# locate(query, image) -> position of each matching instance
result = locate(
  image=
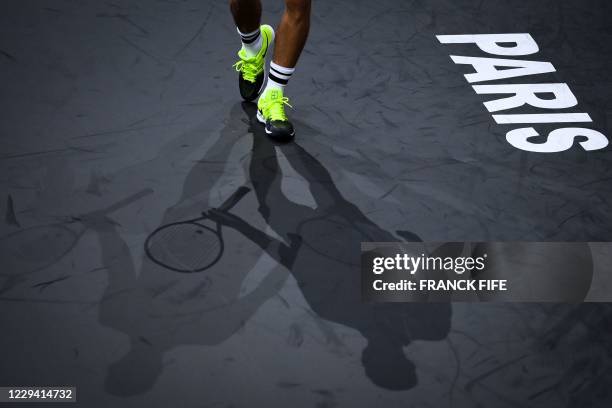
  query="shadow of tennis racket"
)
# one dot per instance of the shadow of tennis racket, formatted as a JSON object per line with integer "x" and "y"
{"x": 33, "y": 249}
{"x": 190, "y": 246}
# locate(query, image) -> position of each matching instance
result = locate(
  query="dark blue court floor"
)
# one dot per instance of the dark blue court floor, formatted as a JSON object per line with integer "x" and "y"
{"x": 120, "y": 116}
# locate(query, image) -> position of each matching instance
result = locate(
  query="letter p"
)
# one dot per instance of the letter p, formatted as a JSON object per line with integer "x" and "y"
{"x": 518, "y": 44}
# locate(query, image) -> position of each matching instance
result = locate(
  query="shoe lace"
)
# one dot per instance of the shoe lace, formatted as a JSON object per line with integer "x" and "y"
{"x": 248, "y": 68}
{"x": 276, "y": 108}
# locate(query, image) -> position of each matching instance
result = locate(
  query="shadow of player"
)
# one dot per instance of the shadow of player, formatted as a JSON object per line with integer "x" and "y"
{"x": 159, "y": 309}
{"x": 327, "y": 263}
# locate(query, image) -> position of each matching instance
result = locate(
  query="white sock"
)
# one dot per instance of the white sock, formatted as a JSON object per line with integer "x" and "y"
{"x": 251, "y": 42}
{"x": 278, "y": 77}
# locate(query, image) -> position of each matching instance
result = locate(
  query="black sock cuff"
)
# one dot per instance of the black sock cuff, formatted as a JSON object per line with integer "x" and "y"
{"x": 250, "y": 38}
{"x": 277, "y": 79}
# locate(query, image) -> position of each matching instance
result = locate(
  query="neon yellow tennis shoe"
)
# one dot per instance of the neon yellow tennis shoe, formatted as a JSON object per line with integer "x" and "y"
{"x": 271, "y": 112}
{"x": 251, "y": 71}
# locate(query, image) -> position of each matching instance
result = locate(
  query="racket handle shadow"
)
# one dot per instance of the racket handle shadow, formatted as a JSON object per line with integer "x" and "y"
{"x": 234, "y": 198}
{"x": 278, "y": 250}
{"x": 121, "y": 204}
{"x": 229, "y": 203}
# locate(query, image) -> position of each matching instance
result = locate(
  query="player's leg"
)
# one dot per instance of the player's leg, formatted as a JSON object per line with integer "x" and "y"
{"x": 247, "y": 15}
{"x": 292, "y": 32}
{"x": 256, "y": 41}
{"x": 290, "y": 39}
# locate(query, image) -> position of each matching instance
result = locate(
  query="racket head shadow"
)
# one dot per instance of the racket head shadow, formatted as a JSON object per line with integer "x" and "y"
{"x": 186, "y": 247}
{"x": 36, "y": 248}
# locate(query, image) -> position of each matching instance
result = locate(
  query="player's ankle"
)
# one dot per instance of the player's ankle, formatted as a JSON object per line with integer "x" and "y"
{"x": 278, "y": 77}
{"x": 251, "y": 42}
